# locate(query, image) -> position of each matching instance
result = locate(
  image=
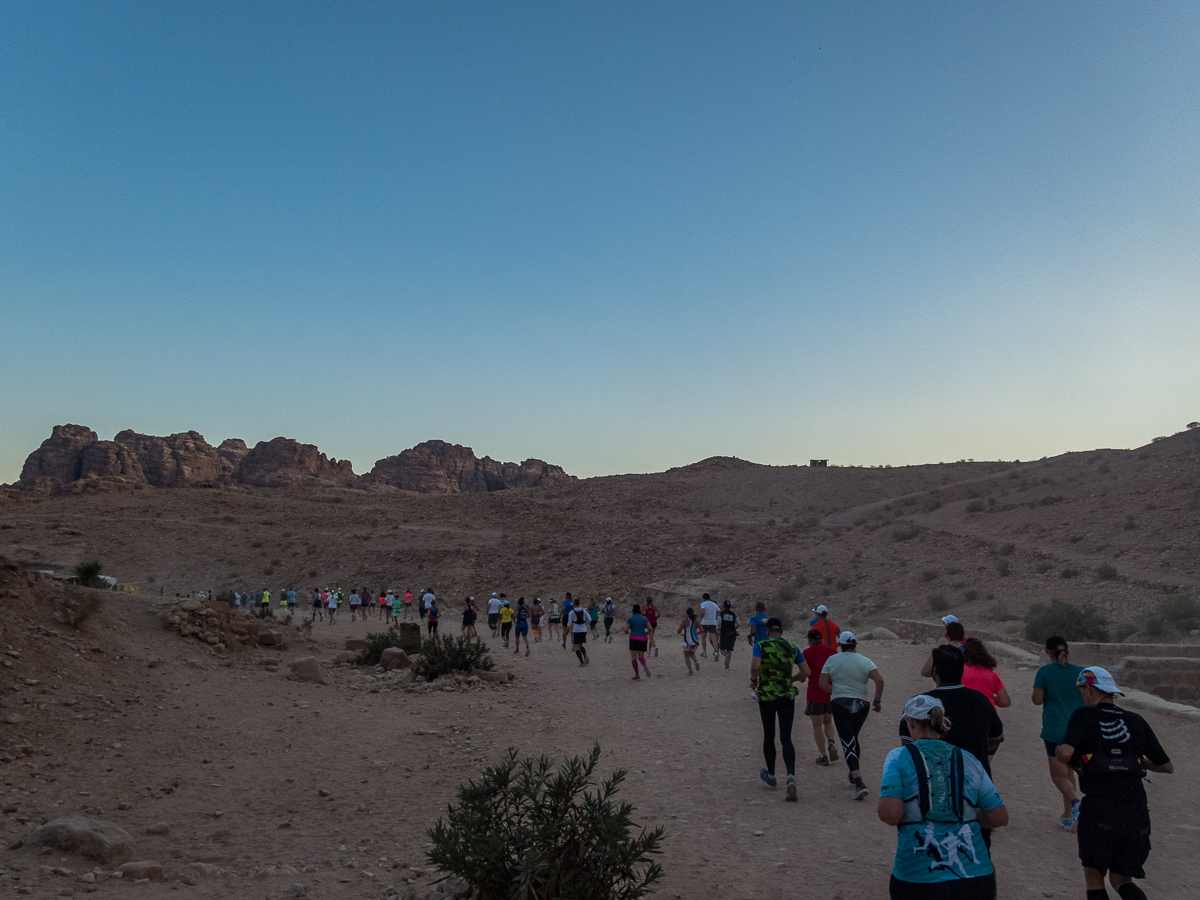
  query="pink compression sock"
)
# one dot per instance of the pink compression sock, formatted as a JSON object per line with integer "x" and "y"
{"x": 635, "y": 671}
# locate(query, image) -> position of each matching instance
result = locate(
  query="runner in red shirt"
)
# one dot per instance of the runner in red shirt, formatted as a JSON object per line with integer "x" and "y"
{"x": 651, "y": 615}
{"x": 819, "y": 706}
{"x": 828, "y": 628}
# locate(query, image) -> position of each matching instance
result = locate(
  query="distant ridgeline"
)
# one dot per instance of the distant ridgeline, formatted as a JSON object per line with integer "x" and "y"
{"x": 73, "y": 459}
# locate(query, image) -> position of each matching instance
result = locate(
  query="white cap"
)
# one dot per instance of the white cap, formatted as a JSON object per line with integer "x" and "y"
{"x": 493, "y": 593}
{"x": 1099, "y": 678}
{"x": 847, "y": 637}
{"x": 821, "y": 609}
{"x": 920, "y": 706}
{"x": 946, "y": 620}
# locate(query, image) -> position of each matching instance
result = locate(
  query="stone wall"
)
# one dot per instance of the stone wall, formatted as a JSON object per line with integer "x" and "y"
{"x": 1175, "y": 678}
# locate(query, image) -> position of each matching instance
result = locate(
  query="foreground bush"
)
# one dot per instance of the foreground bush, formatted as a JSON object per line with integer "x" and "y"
{"x": 441, "y": 655}
{"x": 379, "y": 641}
{"x": 87, "y": 574}
{"x": 525, "y": 832}
{"x": 1063, "y": 619}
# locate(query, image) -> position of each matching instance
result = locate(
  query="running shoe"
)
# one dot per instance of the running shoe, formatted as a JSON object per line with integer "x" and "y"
{"x": 526, "y": 651}
{"x": 767, "y": 777}
{"x": 636, "y": 678}
{"x": 649, "y": 673}
{"x": 656, "y": 651}
{"x": 705, "y": 654}
{"x": 727, "y": 661}
{"x": 860, "y": 790}
{"x": 822, "y": 760}
{"x": 832, "y": 751}
{"x": 1075, "y": 807}
{"x": 791, "y": 789}
{"x": 690, "y": 672}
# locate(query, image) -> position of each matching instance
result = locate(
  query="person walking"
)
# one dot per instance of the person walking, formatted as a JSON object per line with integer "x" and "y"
{"x": 728, "y": 625}
{"x": 609, "y": 612}
{"x": 427, "y": 601}
{"x": 709, "y": 614}
{"x": 579, "y": 631}
{"x": 1111, "y": 748}
{"x": 691, "y": 640}
{"x": 407, "y": 605}
{"x": 939, "y": 799}
{"x": 651, "y": 613}
{"x": 637, "y": 626}
{"x": 522, "y": 625}
{"x": 1055, "y": 691}
{"x": 979, "y": 673}
{"x": 818, "y": 705}
{"x": 774, "y": 686}
{"x": 829, "y": 629}
{"x": 355, "y": 603}
{"x": 847, "y": 676}
{"x": 314, "y": 597}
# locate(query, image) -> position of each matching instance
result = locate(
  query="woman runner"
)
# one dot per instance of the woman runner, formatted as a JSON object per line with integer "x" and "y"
{"x": 536, "y": 616}
{"x": 774, "y": 687}
{"x": 555, "y": 618}
{"x": 609, "y": 611}
{"x": 691, "y": 640}
{"x": 468, "y": 619}
{"x": 652, "y": 618}
{"x": 979, "y": 673}
{"x": 522, "y": 626}
{"x": 506, "y": 620}
{"x": 637, "y": 627}
{"x": 433, "y": 615}
{"x": 846, "y": 676}
{"x": 1056, "y": 692}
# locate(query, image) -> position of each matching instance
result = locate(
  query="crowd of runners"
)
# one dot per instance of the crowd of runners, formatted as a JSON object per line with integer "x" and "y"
{"x": 935, "y": 788}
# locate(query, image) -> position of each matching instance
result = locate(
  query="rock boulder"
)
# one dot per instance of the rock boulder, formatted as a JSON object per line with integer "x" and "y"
{"x": 306, "y": 669}
{"x": 282, "y": 462}
{"x": 437, "y": 467}
{"x": 394, "y": 658}
{"x": 94, "y": 838}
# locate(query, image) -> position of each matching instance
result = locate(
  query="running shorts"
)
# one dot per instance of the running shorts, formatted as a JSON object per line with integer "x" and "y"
{"x": 493, "y": 618}
{"x": 638, "y": 644}
{"x": 522, "y": 629}
{"x": 578, "y": 637}
{"x": 812, "y": 708}
{"x": 1114, "y": 836}
{"x": 710, "y": 629}
{"x": 728, "y": 641}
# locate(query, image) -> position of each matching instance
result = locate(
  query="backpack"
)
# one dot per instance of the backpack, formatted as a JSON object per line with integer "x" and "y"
{"x": 939, "y": 780}
{"x": 581, "y": 616}
{"x": 1116, "y": 754}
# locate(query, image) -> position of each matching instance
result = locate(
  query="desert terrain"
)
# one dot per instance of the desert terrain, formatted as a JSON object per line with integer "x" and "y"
{"x": 124, "y": 719}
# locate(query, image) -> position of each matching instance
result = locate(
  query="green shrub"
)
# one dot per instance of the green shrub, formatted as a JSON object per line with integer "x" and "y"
{"x": 87, "y": 574}
{"x": 787, "y": 594}
{"x": 1071, "y": 622}
{"x": 1106, "y": 572}
{"x": 800, "y": 580}
{"x": 1068, "y": 572}
{"x": 442, "y": 655}
{"x": 975, "y": 506}
{"x": 525, "y": 831}
{"x": 1000, "y": 613}
{"x": 938, "y": 603}
{"x": 843, "y": 584}
{"x": 906, "y": 532}
{"x": 1179, "y": 613}
{"x": 378, "y": 641}
{"x": 1007, "y": 549}
{"x": 929, "y": 575}
{"x": 1002, "y": 568}
{"x": 970, "y": 595}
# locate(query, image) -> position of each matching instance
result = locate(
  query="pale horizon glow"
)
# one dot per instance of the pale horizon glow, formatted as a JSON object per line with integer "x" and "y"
{"x": 619, "y": 238}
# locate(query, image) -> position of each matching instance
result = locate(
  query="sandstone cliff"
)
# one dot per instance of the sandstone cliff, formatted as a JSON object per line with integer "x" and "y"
{"x": 436, "y": 467}
{"x": 283, "y": 462}
{"x": 180, "y": 460}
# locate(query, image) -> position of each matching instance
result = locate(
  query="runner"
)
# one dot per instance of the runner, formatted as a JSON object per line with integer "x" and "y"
{"x": 522, "y": 626}
{"x": 1055, "y": 691}
{"x": 979, "y": 673}
{"x": 331, "y": 605}
{"x": 468, "y": 619}
{"x": 637, "y": 627}
{"x": 940, "y": 799}
{"x": 555, "y": 619}
{"x": 594, "y": 615}
{"x": 432, "y": 614}
{"x": 608, "y": 611}
{"x": 291, "y": 600}
{"x": 828, "y": 628}
{"x": 567, "y": 604}
{"x": 758, "y": 625}
{"x": 729, "y": 632}
{"x": 846, "y": 676}
{"x": 494, "y": 614}
{"x": 427, "y": 601}
{"x": 506, "y": 620}
{"x": 387, "y": 606}
{"x": 537, "y": 617}
{"x": 407, "y": 605}
{"x": 355, "y": 602}
{"x": 579, "y": 629}
{"x": 1111, "y": 748}
{"x": 691, "y": 640}
{"x": 954, "y": 636}
{"x": 774, "y": 687}
{"x": 709, "y": 612}
{"x": 651, "y": 614}
{"x": 314, "y": 597}
{"x": 818, "y": 706}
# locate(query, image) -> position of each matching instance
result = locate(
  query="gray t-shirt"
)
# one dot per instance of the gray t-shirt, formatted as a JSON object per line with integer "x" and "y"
{"x": 850, "y": 673}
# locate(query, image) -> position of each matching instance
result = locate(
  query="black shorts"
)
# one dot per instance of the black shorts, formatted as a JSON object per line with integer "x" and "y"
{"x": 981, "y": 888}
{"x": 1051, "y": 748}
{"x": 709, "y": 629}
{"x": 578, "y": 637}
{"x": 812, "y": 708}
{"x": 493, "y": 618}
{"x": 1114, "y": 836}
{"x": 638, "y": 644}
{"x": 728, "y": 641}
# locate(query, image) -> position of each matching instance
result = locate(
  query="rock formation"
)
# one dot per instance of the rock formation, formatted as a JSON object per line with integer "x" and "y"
{"x": 58, "y": 457}
{"x": 180, "y": 460}
{"x": 436, "y": 467}
{"x": 283, "y": 462}
{"x": 233, "y": 451}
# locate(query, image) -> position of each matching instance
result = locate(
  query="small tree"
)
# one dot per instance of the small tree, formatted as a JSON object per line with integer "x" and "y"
{"x": 1071, "y": 622}
{"x": 526, "y": 832}
{"x": 87, "y": 574}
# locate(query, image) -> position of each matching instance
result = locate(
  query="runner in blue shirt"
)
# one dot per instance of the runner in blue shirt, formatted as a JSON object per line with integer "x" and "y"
{"x": 566, "y": 616}
{"x": 637, "y": 627}
{"x": 758, "y": 623}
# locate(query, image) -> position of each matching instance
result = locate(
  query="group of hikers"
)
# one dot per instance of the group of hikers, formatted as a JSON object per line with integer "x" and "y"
{"x": 936, "y": 787}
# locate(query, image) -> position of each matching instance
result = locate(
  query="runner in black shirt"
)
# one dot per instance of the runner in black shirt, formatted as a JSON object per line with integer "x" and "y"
{"x": 1111, "y": 748}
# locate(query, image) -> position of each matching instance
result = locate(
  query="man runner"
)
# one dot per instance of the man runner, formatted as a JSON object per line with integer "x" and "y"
{"x": 709, "y": 613}
{"x": 772, "y": 680}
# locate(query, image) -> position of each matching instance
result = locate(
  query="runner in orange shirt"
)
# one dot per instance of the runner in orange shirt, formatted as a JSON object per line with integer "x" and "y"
{"x": 828, "y": 628}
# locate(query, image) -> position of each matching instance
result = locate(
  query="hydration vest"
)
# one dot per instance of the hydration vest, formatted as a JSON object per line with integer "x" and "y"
{"x": 1117, "y": 754}
{"x": 939, "y": 780}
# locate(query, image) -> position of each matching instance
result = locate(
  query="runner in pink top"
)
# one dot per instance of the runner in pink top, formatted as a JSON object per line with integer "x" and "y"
{"x": 979, "y": 673}
{"x": 651, "y": 615}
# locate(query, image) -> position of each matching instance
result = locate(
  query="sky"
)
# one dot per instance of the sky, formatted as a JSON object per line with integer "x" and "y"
{"x": 616, "y": 236}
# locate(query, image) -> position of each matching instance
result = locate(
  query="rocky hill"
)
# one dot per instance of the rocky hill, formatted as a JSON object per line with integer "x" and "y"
{"x": 74, "y": 460}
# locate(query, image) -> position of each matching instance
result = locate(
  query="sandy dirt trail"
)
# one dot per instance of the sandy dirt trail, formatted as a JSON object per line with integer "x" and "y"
{"x": 234, "y": 758}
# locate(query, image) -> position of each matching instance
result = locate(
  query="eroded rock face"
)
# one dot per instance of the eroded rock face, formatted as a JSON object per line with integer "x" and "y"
{"x": 283, "y": 462}
{"x": 436, "y": 467}
{"x": 96, "y": 839}
{"x": 179, "y": 460}
{"x": 233, "y": 450}
{"x": 59, "y": 455}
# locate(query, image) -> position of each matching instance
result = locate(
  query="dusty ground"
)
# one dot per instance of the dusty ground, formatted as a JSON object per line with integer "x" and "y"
{"x": 233, "y": 759}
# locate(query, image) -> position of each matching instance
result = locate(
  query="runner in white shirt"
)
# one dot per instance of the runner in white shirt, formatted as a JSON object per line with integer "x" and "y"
{"x": 580, "y": 623}
{"x": 355, "y": 600}
{"x": 709, "y": 612}
{"x": 493, "y": 613}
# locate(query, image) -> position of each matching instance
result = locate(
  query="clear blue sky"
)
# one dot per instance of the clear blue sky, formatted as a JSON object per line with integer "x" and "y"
{"x": 616, "y": 236}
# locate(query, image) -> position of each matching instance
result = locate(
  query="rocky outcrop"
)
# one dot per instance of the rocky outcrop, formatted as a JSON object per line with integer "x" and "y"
{"x": 233, "y": 451}
{"x": 58, "y": 457}
{"x": 283, "y": 462}
{"x": 180, "y": 460}
{"x": 436, "y": 467}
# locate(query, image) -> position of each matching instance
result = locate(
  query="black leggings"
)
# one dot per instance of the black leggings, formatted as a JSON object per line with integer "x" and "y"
{"x": 785, "y": 708}
{"x": 848, "y": 724}
{"x": 981, "y": 888}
